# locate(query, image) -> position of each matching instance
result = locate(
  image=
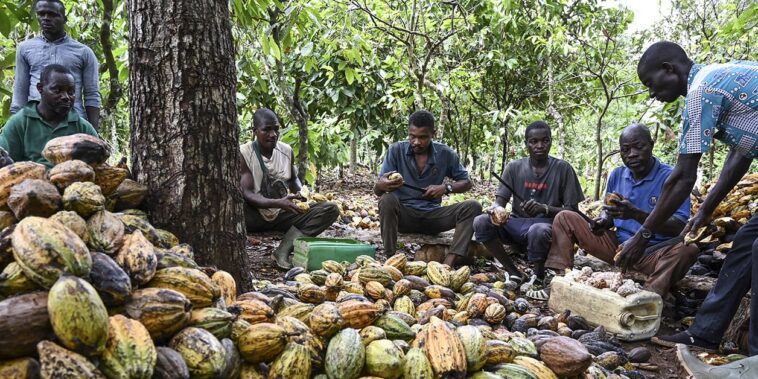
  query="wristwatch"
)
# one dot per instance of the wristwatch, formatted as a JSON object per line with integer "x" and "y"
{"x": 646, "y": 233}
{"x": 449, "y": 188}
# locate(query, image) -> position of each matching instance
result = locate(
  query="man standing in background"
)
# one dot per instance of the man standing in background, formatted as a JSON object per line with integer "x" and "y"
{"x": 54, "y": 46}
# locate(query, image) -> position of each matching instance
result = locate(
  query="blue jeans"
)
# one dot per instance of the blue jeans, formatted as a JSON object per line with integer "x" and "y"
{"x": 533, "y": 233}
{"x": 735, "y": 279}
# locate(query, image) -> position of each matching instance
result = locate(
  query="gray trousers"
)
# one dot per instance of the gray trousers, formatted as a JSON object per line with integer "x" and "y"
{"x": 311, "y": 223}
{"x": 394, "y": 217}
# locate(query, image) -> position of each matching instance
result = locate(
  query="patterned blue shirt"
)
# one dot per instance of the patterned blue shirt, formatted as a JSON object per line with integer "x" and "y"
{"x": 644, "y": 194}
{"x": 721, "y": 103}
{"x": 443, "y": 162}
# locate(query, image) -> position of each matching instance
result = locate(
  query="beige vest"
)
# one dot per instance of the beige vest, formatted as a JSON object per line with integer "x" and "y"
{"x": 279, "y": 166}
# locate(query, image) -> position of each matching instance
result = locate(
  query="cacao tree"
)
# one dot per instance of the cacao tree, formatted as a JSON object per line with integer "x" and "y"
{"x": 184, "y": 132}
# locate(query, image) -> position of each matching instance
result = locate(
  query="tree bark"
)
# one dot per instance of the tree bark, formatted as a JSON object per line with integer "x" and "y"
{"x": 184, "y": 132}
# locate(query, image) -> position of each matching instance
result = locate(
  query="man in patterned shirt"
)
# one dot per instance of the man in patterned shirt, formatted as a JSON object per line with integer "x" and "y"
{"x": 721, "y": 101}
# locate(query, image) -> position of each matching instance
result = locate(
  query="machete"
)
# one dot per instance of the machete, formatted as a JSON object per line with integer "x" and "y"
{"x": 519, "y": 198}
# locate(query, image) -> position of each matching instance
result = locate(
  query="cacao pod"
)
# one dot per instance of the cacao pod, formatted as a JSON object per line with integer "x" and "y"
{"x": 78, "y": 316}
{"x": 108, "y": 178}
{"x": 384, "y": 359}
{"x": 24, "y": 322}
{"x": 170, "y": 365}
{"x": 83, "y": 198}
{"x": 162, "y": 311}
{"x": 73, "y": 221}
{"x": 69, "y": 172}
{"x": 105, "y": 233}
{"x": 345, "y": 355}
{"x": 45, "y": 248}
{"x": 34, "y": 197}
{"x": 262, "y": 342}
{"x": 294, "y": 362}
{"x": 137, "y": 258}
{"x": 129, "y": 351}
{"x": 110, "y": 281}
{"x": 58, "y": 362}
{"x": 202, "y": 352}
{"x": 129, "y": 194}
{"x": 16, "y": 173}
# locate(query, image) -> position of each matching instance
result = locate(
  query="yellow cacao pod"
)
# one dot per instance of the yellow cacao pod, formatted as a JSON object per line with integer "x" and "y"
{"x": 137, "y": 258}
{"x": 69, "y": 172}
{"x": 45, "y": 248}
{"x": 129, "y": 351}
{"x": 162, "y": 311}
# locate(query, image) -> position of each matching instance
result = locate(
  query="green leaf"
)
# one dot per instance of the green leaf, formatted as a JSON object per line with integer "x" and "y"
{"x": 5, "y": 23}
{"x": 306, "y": 49}
{"x": 274, "y": 48}
{"x": 349, "y": 75}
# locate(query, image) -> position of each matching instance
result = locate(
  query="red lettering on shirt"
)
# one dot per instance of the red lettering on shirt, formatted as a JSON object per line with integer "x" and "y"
{"x": 537, "y": 186}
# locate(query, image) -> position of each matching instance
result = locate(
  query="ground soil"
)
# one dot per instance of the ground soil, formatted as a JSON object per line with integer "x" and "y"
{"x": 355, "y": 192}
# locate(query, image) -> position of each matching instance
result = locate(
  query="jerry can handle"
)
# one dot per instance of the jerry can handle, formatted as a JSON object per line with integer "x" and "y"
{"x": 628, "y": 318}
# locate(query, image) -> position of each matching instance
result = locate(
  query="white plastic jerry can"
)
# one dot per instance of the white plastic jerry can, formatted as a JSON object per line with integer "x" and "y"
{"x": 631, "y": 318}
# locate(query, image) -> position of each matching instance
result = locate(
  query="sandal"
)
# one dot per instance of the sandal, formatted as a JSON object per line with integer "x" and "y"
{"x": 542, "y": 294}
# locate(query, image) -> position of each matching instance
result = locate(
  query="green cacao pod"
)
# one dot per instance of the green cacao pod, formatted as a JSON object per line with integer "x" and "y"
{"x": 384, "y": 359}
{"x": 105, "y": 233}
{"x": 83, "y": 198}
{"x": 203, "y": 353}
{"x": 345, "y": 355}
{"x": 78, "y": 316}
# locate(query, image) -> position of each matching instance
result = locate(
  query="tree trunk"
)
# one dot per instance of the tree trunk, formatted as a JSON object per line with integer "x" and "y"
{"x": 184, "y": 132}
{"x": 505, "y": 144}
{"x": 354, "y": 152}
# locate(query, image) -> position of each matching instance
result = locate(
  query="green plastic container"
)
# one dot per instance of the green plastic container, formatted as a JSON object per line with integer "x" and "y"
{"x": 311, "y": 251}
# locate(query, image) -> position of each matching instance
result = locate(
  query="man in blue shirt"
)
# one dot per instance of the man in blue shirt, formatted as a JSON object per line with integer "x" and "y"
{"x": 639, "y": 182}
{"x": 424, "y": 163}
{"x": 721, "y": 101}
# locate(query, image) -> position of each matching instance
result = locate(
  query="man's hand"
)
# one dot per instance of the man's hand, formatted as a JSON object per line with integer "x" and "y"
{"x": 601, "y": 224}
{"x": 632, "y": 252}
{"x": 5, "y": 158}
{"x": 623, "y": 210}
{"x": 533, "y": 208}
{"x": 498, "y": 215}
{"x": 287, "y": 205}
{"x": 384, "y": 184}
{"x": 435, "y": 191}
{"x": 694, "y": 224}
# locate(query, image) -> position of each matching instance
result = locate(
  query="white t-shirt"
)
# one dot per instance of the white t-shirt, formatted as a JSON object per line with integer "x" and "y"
{"x": 279, "y": 166}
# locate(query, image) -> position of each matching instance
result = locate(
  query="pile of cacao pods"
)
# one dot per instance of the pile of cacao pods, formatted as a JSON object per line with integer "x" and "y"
{"x": 92, "y": 290}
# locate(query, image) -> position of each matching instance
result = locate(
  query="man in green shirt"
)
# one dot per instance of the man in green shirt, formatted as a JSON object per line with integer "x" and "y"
{"x": 25, "y": 134}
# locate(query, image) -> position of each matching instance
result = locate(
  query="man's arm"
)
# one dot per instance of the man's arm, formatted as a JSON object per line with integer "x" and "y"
{"x": 674, "y": 192}
{"x": 93, "y": 116}
{"x": 11, "y": 142}
{"x": 20, "y": 82}
{"x": 91, "y": 89}
{"x": 625, "y": 210}
{"x": 383, "y": 184}
{"x": 735, "y": 167}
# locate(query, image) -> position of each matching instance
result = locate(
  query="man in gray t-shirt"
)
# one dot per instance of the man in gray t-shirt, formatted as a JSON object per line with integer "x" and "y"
{"x": 547, "y": 185}
{"x": 54, "y": 46}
